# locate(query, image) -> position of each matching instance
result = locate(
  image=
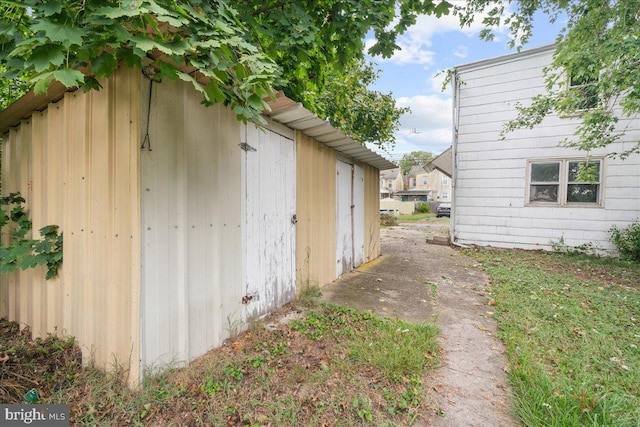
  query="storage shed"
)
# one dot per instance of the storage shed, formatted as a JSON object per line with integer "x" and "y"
{"x": 180, "y": 223}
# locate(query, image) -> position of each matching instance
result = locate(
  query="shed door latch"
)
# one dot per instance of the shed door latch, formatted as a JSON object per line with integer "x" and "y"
{"x": 247, "y": 147}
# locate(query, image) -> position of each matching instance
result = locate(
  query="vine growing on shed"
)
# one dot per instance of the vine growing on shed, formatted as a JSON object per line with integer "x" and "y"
{"x": 17, "y": 251}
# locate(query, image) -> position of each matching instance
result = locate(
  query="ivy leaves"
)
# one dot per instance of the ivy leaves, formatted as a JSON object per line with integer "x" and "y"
{"x": 232, "y": 52}
{"x": 78, "y": 42}
{"x": 22, "y": 252}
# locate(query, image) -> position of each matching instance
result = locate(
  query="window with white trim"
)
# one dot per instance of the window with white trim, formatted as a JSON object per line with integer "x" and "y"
{"x": 565, "y": 182}
{"x": 586, "y": 92}
{"x": 424, "y": 180}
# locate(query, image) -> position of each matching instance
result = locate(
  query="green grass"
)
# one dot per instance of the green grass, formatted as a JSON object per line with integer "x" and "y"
{"x": 335, "y": 366}
{"x": 571, "y": 326}
{"x": 415, "y": 217}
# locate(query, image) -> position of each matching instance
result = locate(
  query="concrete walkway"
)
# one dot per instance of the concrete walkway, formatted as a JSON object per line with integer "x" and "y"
{"x": 421, "y": 282}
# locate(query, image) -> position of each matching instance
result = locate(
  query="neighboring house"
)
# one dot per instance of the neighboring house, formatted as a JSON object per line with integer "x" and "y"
{"x": 522, "y": 192}
{"x": 414, "y": 195}
{"x": 439, "y": 177}
{"x": 390, "y": 182}
{"x": 179, "y": 222}
{"x": 416, "y": 178}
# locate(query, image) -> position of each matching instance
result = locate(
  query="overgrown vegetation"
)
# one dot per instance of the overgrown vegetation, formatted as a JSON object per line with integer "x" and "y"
{"x": 47, "y": 365}
{"x": 627, "y": 240}
{"x": 571, "y": 326}
{"x": 388, "y": 220}
{"x": 22, "y": 252}
{"x": 332, "y": 366}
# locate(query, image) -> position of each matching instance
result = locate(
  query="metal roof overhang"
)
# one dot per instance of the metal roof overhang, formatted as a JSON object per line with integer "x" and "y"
{"x": 295, "y": 116}
{"x": 282, "y": 109}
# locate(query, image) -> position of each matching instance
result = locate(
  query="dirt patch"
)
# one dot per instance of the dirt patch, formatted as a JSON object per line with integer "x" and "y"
{"x": 419, "y": 282}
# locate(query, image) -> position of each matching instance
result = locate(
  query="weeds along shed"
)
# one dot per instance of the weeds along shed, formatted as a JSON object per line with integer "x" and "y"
{"x": 180, "y": 223}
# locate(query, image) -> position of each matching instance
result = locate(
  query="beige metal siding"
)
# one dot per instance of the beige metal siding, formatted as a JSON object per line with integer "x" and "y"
{"x": 77, "y": 164}
{"x": 316, "y": 212}
{"x": 371, "y": 213}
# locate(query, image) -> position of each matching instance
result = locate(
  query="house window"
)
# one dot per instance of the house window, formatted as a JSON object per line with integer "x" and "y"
{"x": 424, "y": 181}
{"x": 565, "y": 182}
{"x": 413, "y": 180}
{"x": 445, "y": 196}
{"x": 445, "y": 180}
{"x": 579, "y": 190}
{"x": 586, "y": 92}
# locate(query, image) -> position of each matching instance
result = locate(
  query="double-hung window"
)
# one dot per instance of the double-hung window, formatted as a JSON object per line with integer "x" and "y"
{"x": 585, "y": 91}
{"x": 565, "y": 182}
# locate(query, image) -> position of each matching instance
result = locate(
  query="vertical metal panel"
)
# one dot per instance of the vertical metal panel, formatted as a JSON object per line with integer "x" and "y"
{"x": 371, "y": 213}
{"x": 344, "y": 218}
{"x": 270, "y": 189}
{"x": 358, "y": 215}
{"x": 316, "y": 212}
{"x": 75, "y": 163}
{"x": 191, "y": 213}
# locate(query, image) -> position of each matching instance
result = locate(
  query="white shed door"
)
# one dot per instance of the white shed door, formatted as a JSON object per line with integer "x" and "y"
{"x": 270, "y": 191}
{"x": 349, "y": 217}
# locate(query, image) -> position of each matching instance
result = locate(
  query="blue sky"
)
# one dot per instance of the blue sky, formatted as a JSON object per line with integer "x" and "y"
{"x": 430, "y": 46}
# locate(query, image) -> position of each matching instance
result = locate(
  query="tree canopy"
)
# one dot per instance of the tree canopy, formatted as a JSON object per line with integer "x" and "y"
{"x": 597, "y": 55}
{"x": 243, "y": 49}
{"x": 415, "y": 158}
{"x": 363, "y": 114}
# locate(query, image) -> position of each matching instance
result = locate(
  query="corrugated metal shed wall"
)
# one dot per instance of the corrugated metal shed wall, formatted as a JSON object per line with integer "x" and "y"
{"x": 316, "y": 201}
{"x": 77, "y": 164}
{"x": 371, "y": 213}
{"x": 192, "y": 224}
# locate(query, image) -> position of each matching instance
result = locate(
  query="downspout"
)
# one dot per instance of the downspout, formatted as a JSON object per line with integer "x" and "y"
{"x": 455, "y": 120}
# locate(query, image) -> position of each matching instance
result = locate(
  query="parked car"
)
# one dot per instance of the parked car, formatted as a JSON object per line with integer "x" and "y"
{"x": 443, "y": 209}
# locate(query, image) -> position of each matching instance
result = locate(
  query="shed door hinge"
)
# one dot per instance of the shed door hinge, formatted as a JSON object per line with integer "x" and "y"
{"x": 247, "y": 147}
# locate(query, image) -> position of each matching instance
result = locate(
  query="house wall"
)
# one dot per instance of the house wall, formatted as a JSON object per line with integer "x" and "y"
{"x": 490, "y": 176}
{"x": 192, "y": 222}
{"x": 76, "y": 163}
{"x": 316, "y": 201}
{"x": 437, "y": 186}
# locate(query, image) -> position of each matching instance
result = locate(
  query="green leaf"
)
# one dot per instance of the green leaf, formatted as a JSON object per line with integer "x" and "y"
{"x": 60, "y": 33}
{"x": 256, "y": 102}
{"x": 44, "y": 57}
{"x": 104, "y": 65}
{"x": 126, "y": 9}
{"x": 50, "y": 8}
{"x": 68, "y": 77}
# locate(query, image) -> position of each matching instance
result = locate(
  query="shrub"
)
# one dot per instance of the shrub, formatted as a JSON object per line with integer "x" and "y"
{"x": 423, "y": 207}
{"x": 627, "y": 240}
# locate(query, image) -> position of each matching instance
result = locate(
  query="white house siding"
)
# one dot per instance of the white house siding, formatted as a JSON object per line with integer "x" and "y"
{"x": 490, "y": 176}
{"x": 191, "y": 220}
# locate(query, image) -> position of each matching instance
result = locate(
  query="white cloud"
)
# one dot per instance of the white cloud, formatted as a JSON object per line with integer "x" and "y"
{"x": 427, "y": 127}
{"x": 460, "y": 52}
{"x": 416, "y": 41}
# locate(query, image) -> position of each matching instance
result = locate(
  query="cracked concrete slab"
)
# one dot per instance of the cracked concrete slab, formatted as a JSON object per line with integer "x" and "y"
{"x": 421, "y": 282}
